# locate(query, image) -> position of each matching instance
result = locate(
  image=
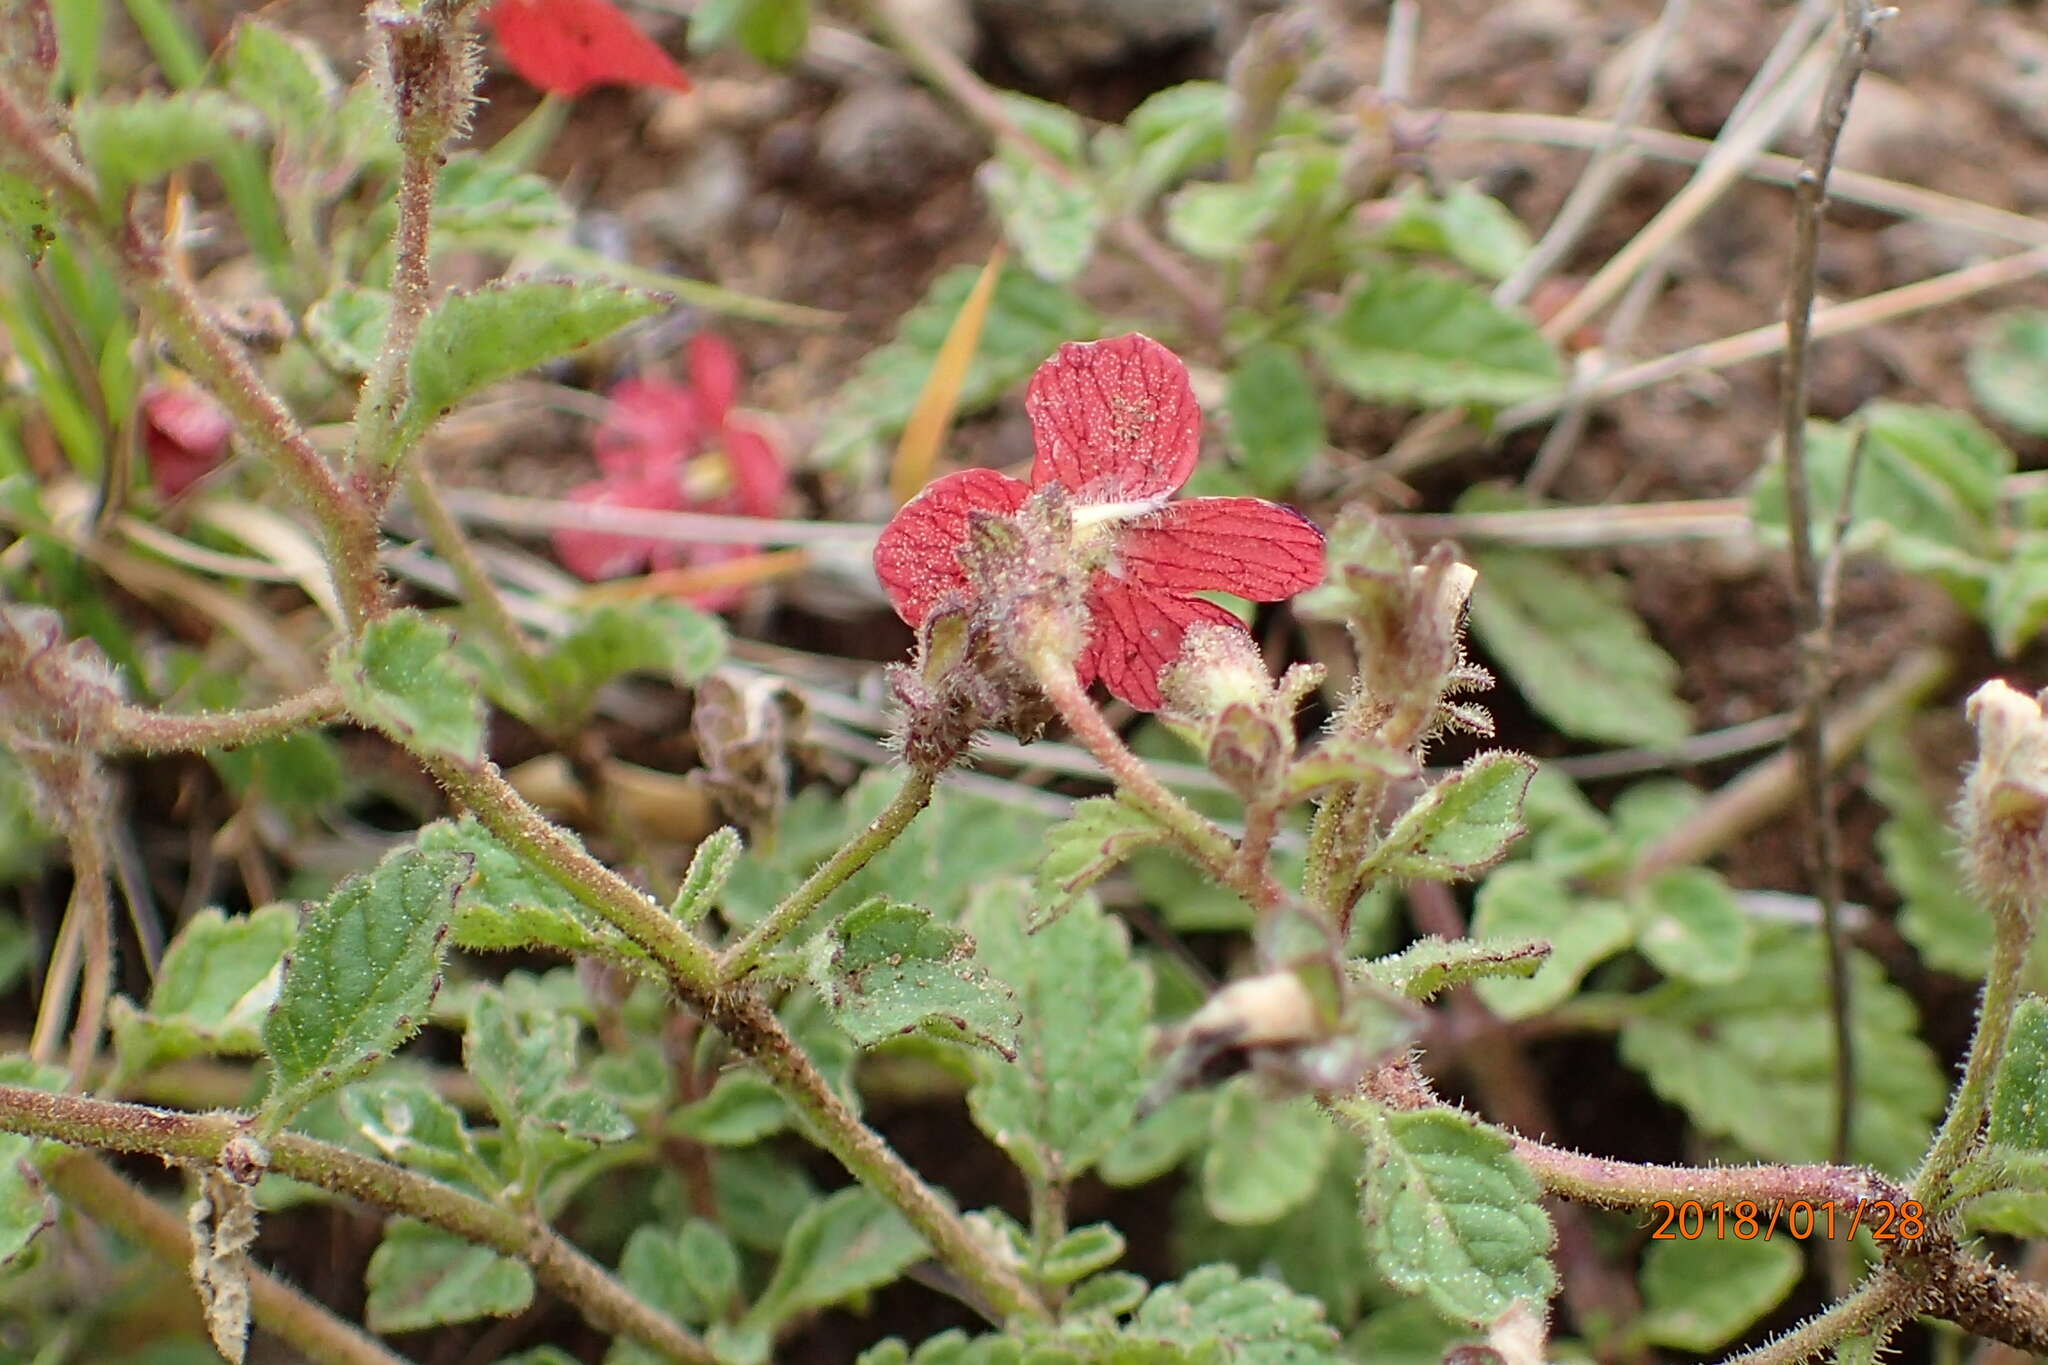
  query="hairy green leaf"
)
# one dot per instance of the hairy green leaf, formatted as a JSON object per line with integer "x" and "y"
{"x": 1700, "y": 1294}
{"x": 1276, "y": 417}
{"x": 284, "y": 76}
{"x": 843, "y": 1246}
{"x": 2019, "y": 1092}
{"x": 1575, "y": 650}
{"x": 478, "y": 337}
{"x": 1432, "y": 965}
{"x": 1692, "y": 927}
{"x": 1450, "y": 1214}
{"x": 215, "y": 984}
{"x": 360, "y": 977}
{"x": 412, "y": 1125}
{"x": 692, "y": 1273}
{"x": 397, "y": 675}
{"x": 1082, "y": 1043}
{"x": 139, "y": 141}
{"x": 1052, "y": 221}
{"x": 887, "y": 969}
{"x": 1084, "y": 848}
{"x": 1160, "y": 1140}
{"x": 609, "y": 641}
{"x": 1082, "y": 1252}
{"x": 2008, "y": 369}
{"x": 1265, "y": 1155}
{"x": 1472, "y": 228}
{"x": 422, "y": 1277}
{"x": 527, "y": 1070}
{"x": 1409, "y": 336}
{"x": 1527, "y": 901}
{"x": 346, "y": 327}
{"x": 508, "y": 906}
{"x": 1947, "y": 925}
{"x": 1754, "y": 1059}
{"x": 1462, "y": 825}
{"x": 705, "y": 878}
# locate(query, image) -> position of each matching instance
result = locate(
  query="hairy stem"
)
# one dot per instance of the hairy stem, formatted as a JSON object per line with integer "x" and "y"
{"x": 88, "y": 1183}
{"x": 753, "y": 1028}
{"x": 786, "y": 918}
{"x": 1880, "y": 1304}
{"x": 348, "y": 528}
{"x": 2003, "y": 990}
{"x": 139, "y": 730}
{"x": 1636, "y": 1185}
{"x": 375, "y": 449}
{"x": 115, "y": 1126}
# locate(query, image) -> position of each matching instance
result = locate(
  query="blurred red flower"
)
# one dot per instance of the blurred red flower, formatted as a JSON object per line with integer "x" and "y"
{"x": 673, "y": 447}
{"x": 184, "y": 435}
{"x": 569, "y": 46}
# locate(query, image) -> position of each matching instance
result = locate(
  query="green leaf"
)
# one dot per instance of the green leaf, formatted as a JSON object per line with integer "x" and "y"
{"x": 526, "y": 1069}
{"x": 284, "y": 76}
{"x": 1160, "y": 1140}
{"x": 484, "y": 199}
{"x": 887, "y": 969}
{"x": 1410, "y": 1332}
{"x": 710, "y": 865}
{"x": 2019, "y": 1092}
{"x": 772, "y": 32}
{"x": 1052, "y": 221}
{"x": 1462, "y": 825}
{"x": 397, "y": 676}
{"x": 1691, "y": 926}
{"x": 1472, "y": 228}
{"x": 1754, "y": 1059}
{"x": 2016, "y": 606}
{"x": 1084, "y": 848}
{"x": 1176, "y": 130}
{"x": 215, "y": 984}
{"x": 26, "y": 223}
{"x": 480, "y": 336}
{"x": 1276, "y": 417}
{"x": 139, "y": 141}
{"x": 360, "y": 977}
{"x": 1292, "y": 185}
{"x": 422, "y": 1277}
{"x": 1217, "y": 1313}
{"x": 1927, "y": 493}
{"x": 1948, "y": 926}
{"x": 843, "y": 1246}
{"x": 1265, "y": 1155}
{"x": 1027, "y": 320}
{"x": 2008, "y": 370}
{"x": 346, "y": 327}
{"x": 1432, "y": 965}
{"x": 26, "y": 1207}
{"x": 691, "y": 1273}
{"x": 607, "y": 642}
{"x": 1407, "y": 336}
{"x": 742, "y": 1108}
{"x": 1575, "y": 650}
{"x": 1700, "y": 1294}
{"x": 1082, "y": 1043}
{"x": 1450, "y": 1214}
{"x": 1082, "y": 1252}
{"x": 508, "y": 905}
{"x": 410, "y": 1124}
{"x": 1524, "y": 902}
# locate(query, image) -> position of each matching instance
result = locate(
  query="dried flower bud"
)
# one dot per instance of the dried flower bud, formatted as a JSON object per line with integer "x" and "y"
{"x": 746, "y": 734}
{"x": 960, "y": 683}
{"x": 1219, "y": 692}
{"x": 429, "y": 67}
{"x": 222, "y": 1221}
{"x": 2003, "y": 814}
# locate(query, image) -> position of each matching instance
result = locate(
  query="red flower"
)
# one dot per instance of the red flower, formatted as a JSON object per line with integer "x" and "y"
{"x": 184, "y": 433}
{"x": 1117, "y": 426}
{"x": 568, "y": 46}
{"x": 671, "y": 447}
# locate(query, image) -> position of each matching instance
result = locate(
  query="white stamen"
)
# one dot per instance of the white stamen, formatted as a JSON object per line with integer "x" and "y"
{"x": 1096, "y": 513}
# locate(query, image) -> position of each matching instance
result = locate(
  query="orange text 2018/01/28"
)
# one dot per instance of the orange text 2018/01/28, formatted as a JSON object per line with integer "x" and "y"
{"x": 1746, "y": 1220}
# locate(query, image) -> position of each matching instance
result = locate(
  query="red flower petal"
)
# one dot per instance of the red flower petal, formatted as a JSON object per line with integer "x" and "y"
{"x": 918, "y": 555}
{"x": 1114, "y": 420}
{"x": 1248, "y": 546}
{"x": 568, "y": 46}
{"x": 652, "y": 426}
{"x": 760, "y": 479}
{"x": 1137, "y": 633}
{"x": 596, "y": 555}
{"x": 184, "y": 433}
{"x": 715, "y": 375}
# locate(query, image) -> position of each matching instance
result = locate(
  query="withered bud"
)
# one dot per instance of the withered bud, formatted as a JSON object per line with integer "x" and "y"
{"x": 2003, "y": 813}
{"x": 961, "y": 681}
{"x": 747, "y": 732}
{"x": 1219, "y": 692}
{"x": 1218, "y": 666}
{"x": 429, "y": 66}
